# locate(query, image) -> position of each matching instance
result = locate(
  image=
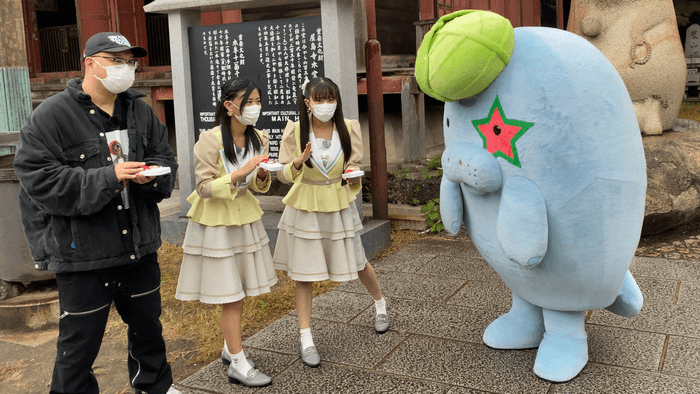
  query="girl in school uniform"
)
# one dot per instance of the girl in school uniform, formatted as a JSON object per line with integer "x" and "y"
{"x": 319, "y": 232}
{"x": 226, "y": 252}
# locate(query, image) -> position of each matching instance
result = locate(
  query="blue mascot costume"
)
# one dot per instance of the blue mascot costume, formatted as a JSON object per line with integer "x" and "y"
{"x": 544, "y": 166}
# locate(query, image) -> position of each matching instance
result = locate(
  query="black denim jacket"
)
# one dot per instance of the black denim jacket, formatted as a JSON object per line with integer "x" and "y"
{"x": 70, "y": 203}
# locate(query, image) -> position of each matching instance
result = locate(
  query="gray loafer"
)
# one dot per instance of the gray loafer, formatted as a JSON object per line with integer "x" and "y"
{"x": 226, "y": 358}
{"x": 381, "y": 323}
{"x": 253, "y": 378}
{"x": 310, "y": 356}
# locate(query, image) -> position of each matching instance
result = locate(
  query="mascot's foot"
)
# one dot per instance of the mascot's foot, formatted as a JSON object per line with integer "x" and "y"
{"x": 563, "y": 351}
{"x": 521, "y": 328}
{"x": 629, "y": 300}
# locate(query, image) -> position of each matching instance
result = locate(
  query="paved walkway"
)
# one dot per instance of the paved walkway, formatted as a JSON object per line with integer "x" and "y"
{"x": 441, "y": 296}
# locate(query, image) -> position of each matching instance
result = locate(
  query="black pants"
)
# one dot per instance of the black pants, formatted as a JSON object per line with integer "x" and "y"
{"x": 85, "y": 299}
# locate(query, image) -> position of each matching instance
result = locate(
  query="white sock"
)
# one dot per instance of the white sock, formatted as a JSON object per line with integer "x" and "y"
{"x": 380, "y": 305}
{"x": 240, "y": 363}
{"x": 306, "y": 339}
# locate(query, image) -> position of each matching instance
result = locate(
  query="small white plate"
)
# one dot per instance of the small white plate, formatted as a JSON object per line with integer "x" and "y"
{"x": 155, "y": 171}
{"x": 353, "y": 174}
{"x": 271, "y": 166}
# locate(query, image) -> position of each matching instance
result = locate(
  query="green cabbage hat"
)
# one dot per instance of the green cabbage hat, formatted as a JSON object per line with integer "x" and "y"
{"x": 463, "y": 53}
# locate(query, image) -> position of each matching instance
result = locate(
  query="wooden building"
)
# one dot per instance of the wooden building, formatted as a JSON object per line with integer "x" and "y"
{"x": 56, "y": 31}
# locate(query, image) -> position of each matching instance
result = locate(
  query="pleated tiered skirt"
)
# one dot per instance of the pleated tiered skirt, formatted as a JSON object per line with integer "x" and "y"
{"x": 223, "y": 264}
{"x": 314, "y": 246}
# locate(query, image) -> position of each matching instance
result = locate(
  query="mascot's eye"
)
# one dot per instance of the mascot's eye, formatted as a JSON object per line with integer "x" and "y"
{"x": 497, "y": 129}
{"x": 448, "y": 122}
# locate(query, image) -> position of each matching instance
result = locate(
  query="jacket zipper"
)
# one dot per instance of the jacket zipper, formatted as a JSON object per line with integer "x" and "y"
{"x": 66, "y": 313}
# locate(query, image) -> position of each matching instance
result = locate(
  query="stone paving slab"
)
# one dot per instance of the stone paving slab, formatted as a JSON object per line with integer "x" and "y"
{"x": 689, "y": 293}
{"x": 445, "y": 321}
{"x": 665, "y": 269}
{"x": 657, "y": 290}
{"x": 460, "y": 246}
{"x": 403, "y": 262}
{"x": 331, "y": 378}
{"x": 679, "y": 320}
{"x": 462, "y": 390}
{"x": 682, "y": 357}
{"x": 339, "y": 306}
{"x": 409, "y": 286}
{"x": 603, "y": 379}
{"x": 466, "y": 364}
{"x": 493, "y": 295}
{"x": 332, "y": 340}
{"x": 625, "y": 348}
{"x": 460, "y": 267}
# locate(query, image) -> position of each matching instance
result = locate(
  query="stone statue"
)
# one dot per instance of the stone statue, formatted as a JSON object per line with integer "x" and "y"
{"x": 544, "y": 166}
{"x": 640, "y": 38}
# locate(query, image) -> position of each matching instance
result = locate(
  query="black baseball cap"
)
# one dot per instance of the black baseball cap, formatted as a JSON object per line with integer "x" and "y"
{"x": 111, "y": 42}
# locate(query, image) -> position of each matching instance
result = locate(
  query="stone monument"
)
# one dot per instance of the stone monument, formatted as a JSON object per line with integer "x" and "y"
{"x": 692, "y": 41}
{"x": 640, "y": 38}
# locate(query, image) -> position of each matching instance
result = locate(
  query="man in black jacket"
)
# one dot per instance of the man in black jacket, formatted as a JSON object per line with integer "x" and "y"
{"x": 91, "y": 216}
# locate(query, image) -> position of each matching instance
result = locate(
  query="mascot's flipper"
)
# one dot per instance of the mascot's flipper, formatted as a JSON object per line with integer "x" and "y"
{"x": 451, "y": 206}
{"x": 522, "y": 222}
{"x": 629, "y": 299}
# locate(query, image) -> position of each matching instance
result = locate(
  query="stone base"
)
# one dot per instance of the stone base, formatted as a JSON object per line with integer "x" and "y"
{"x": 30, "y": 311}
{"x": 673, "y": 177}
{"x": 376, "y": 234}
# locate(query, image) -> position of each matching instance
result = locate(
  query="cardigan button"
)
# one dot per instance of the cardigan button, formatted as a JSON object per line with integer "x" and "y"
{"x": 92, "y": 112}
{"x": 328, "y": 182}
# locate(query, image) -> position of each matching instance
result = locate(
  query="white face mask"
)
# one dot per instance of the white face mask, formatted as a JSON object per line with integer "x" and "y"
{"x": 119, "y": 77}
{"x": 324, "y": 112}
{"x": 249, "y": 114}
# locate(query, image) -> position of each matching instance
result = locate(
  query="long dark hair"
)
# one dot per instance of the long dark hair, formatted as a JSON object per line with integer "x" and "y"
{"x": 229, "y": 91}
{"x": 318, "y": 89}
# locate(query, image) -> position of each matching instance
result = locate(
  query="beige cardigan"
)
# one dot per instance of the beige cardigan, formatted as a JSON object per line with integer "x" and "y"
{"x": 216, "y": 201}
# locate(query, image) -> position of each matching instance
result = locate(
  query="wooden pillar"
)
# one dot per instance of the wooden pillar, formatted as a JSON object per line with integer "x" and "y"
{"x": 413, "y": 120}
{"x": 375, "y": 104}
{"x": 93, "y": 18}
{"x": 221, "y": 18}
{"x": 211, "y": 18}
{"x": 31, "y": 30}
{"x": 231, "y": 16}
